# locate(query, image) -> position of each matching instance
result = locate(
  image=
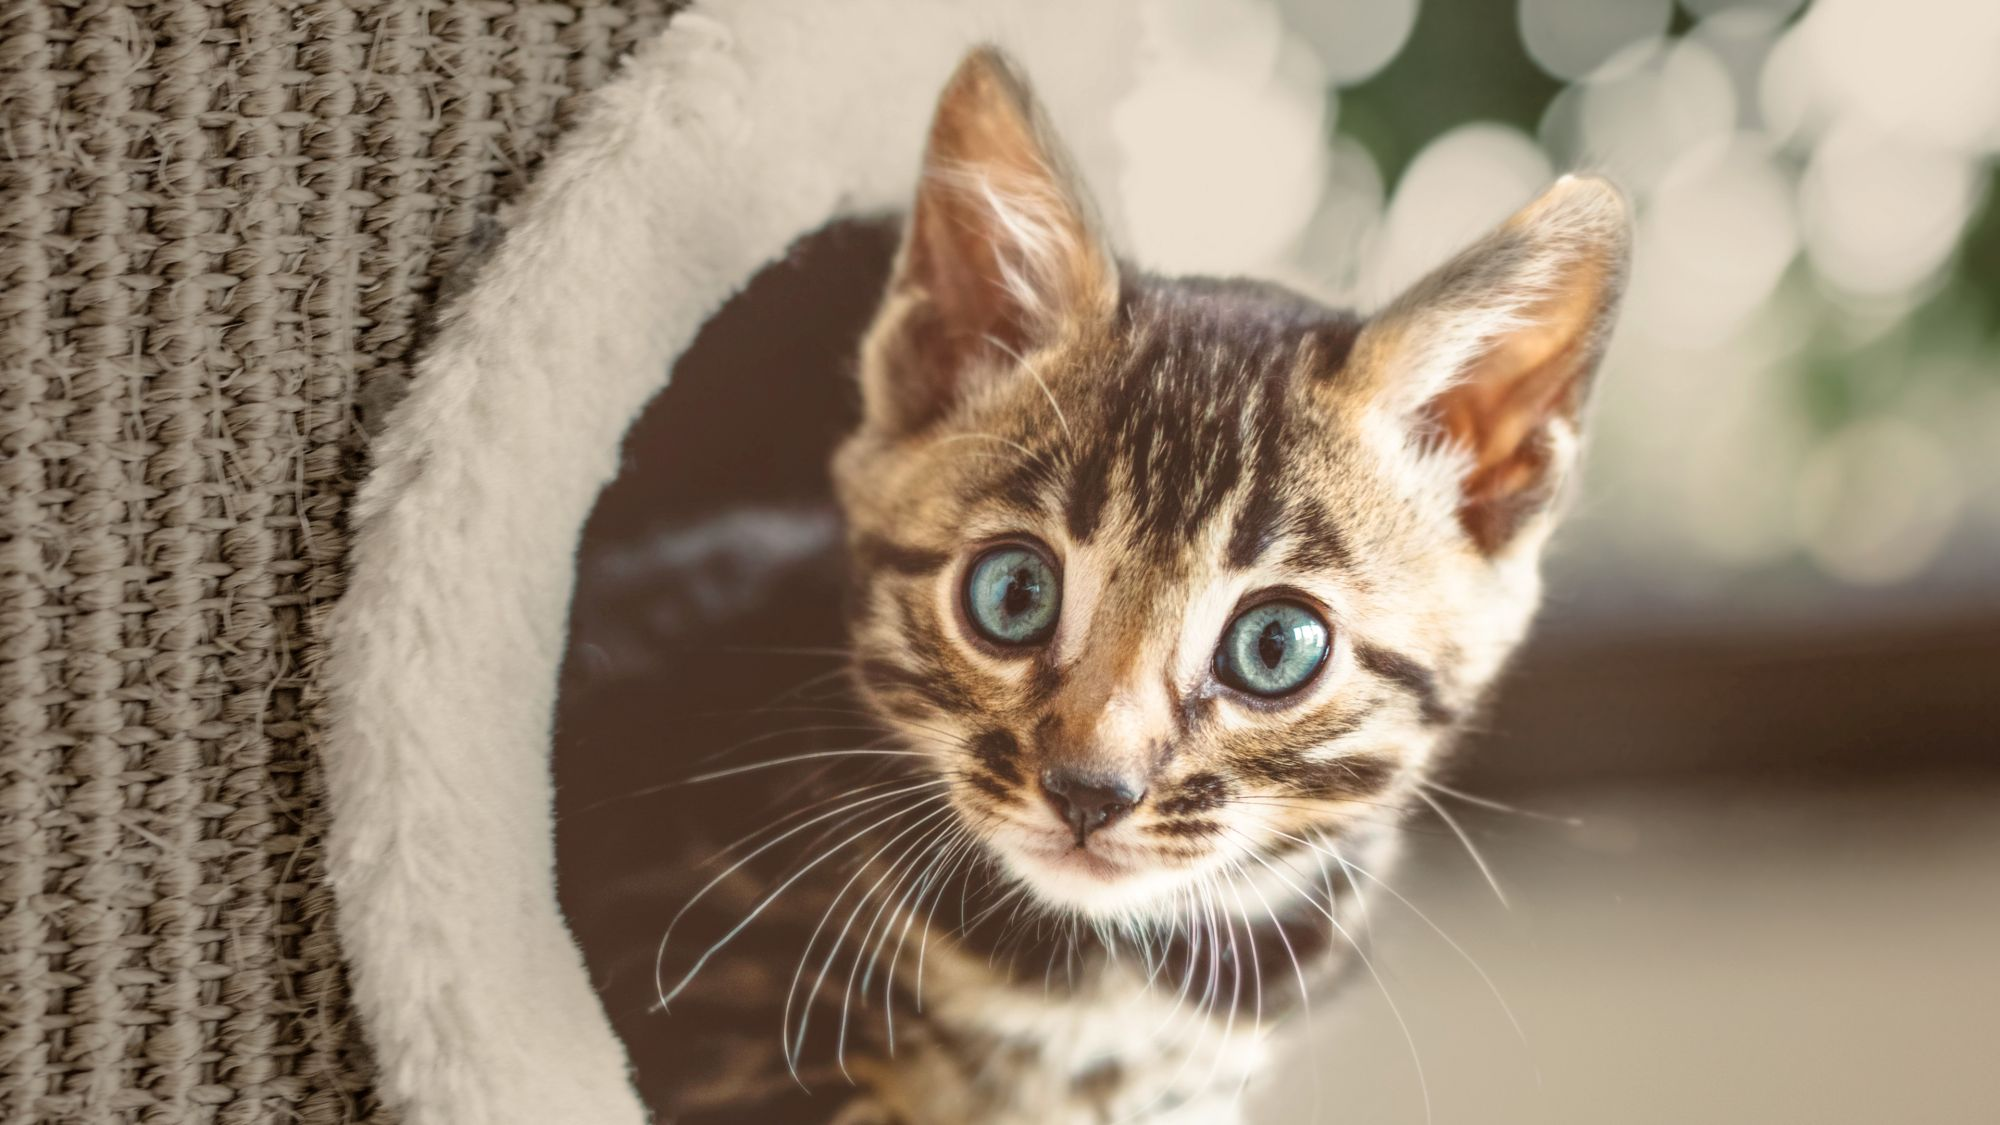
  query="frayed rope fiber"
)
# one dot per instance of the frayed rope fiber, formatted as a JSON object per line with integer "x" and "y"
{"x": 221, "y": 224}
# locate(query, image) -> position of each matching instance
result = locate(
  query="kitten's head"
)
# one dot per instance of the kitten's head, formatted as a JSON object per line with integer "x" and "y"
{"x": 1167, "y": 575}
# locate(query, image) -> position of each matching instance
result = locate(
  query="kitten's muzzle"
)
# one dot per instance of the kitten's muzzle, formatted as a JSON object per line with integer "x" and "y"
{"x": 1088, "y": 801}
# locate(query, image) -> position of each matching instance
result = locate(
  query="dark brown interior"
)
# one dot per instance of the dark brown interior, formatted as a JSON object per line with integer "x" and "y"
{"x": 750, "y": 418}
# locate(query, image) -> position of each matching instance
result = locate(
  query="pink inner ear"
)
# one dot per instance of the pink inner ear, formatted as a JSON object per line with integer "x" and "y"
{"x": 999, "y": 252}
{"x": 1500, "y": 409}
{"x": 999, "y": 237}
{"x": 957, "y": 272}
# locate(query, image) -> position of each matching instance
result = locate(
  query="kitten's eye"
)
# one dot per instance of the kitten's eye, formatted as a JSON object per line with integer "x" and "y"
{"x": 1273, "y": 649}
{"x": 1012, "y": 596}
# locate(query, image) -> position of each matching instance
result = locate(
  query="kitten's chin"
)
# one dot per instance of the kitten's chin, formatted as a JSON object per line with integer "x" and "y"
{"x": 1090, "y": 883}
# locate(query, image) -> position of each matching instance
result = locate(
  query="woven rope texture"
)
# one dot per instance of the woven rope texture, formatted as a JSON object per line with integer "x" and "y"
{"x": 220, "y": 224}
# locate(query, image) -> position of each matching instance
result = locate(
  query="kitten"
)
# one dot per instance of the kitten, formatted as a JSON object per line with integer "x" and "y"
{"x": 1167, "y": 595}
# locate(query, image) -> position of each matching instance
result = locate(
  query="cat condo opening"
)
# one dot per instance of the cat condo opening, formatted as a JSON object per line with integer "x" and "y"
{"x": 1219, "y": 470}
{"x": 708, "y": 618}
{"x": 721, "y": 145}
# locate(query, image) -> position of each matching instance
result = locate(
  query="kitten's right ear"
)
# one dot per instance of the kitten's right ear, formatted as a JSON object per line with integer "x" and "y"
{"x": 1000, "y": 255}
{"x": 1489, "y": 359}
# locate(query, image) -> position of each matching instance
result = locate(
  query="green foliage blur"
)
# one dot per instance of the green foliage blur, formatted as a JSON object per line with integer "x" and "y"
{"x": 1465, "y": 62}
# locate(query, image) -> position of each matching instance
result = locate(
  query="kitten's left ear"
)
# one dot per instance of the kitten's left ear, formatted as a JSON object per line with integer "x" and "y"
{"x": 1000, "y": 256}
{"x": 1492, "y": 355}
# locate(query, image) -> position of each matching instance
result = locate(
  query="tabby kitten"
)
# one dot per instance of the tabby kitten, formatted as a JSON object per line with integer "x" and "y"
{"x": 1168, "y": 594}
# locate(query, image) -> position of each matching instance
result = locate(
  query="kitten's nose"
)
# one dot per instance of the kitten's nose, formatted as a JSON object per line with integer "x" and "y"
{"x": 1088, "y": 802}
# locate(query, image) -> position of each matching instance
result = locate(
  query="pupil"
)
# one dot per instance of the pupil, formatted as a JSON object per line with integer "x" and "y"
{"x": 1271, "y": 645}
{"x": 1020, "y": 593}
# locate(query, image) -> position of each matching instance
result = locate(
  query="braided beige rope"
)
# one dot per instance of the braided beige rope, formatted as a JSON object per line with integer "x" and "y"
{"x": 220, "y": 223}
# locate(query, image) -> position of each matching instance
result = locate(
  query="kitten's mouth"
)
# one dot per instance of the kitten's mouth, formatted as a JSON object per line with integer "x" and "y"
{"x": 1099, "y": 880}
{"x": 1080, "y": 860}
{"x": 1109, "y": 876}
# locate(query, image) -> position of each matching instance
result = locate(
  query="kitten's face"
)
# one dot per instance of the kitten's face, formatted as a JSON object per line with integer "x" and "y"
{"x": 1170, "y": 577}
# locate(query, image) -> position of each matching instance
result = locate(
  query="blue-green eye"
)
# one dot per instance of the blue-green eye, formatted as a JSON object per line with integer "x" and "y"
{"x": 1013, "y": 596}
{"x": 1273, "y": 649}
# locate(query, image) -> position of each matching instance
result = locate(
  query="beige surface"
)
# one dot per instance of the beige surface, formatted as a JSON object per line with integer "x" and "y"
{"x": 221, "y": 224}
{"x": 1686, "y": 955}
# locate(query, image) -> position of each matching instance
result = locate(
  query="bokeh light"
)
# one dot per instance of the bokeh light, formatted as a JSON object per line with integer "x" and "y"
{"x": 1354, "y": 38}
{"x": 1648, "y": 106}
{"x": 1881, "y": 214}
{"x": 1713, "y": 243}
{"x": 1925, "y": 70}
{"x": 1332, "y": 249}
{"x": 1457, "y": 189}
{"x": 1876, "y": 501}
{"x": 1741, "y": 40}
{"x": 1571, "y": 38}
{"x": 1807, "y": 383}
{"x": 1227, "y": 123}
{"x": 1771, "y": 9}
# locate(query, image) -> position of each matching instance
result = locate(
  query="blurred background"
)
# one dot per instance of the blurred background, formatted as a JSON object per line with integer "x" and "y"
{"x": 1749, "y": 867}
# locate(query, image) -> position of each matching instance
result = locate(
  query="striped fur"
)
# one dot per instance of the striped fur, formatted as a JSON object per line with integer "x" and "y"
{"x": 1181, "y": 449}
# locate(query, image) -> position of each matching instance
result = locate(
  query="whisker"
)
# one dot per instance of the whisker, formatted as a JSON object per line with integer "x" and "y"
{"x": 1478, "y": 859}
{"x": 841, "y": 939}
{"x": 787, "y": 732}
{"x": 681, "y": 782}
{"x": 887, "y": 730}
{"x": 922, "y": 845}
{"x": 1204, "y": 1010}
{"x": 1235, "y": 984}
{"x": 1039, "y": 381}
{"x": 1401, "y": 827}
{"x": 1023, "y": 450}
{"x": 1502, "y": 806}
{"x": 923, "y": 942}
{"x": 1192, "y": 914}
{"x": 1319, "y": 804}
{"x": 1505, "y": 1008}
{"x": 793, "y": 759}
{"x": 791, "y": 1054}
{"x": 829, "y": 831}
{"x": 796, "y": 690}
{"x": 772, "y": 709}
{"x": 1298, "y": 974}
{"x": 912, "y": 907}
{"x": 854, "y": 791}
{"x": 665, "y": 996}
{"x": 1368, "y": 963}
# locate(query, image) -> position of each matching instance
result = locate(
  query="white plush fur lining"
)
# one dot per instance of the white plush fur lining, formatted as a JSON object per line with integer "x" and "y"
{"x": 745, "y": 126}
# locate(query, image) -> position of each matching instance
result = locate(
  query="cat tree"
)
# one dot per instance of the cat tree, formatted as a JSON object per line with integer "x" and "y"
{"x": 277, "y": 661}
